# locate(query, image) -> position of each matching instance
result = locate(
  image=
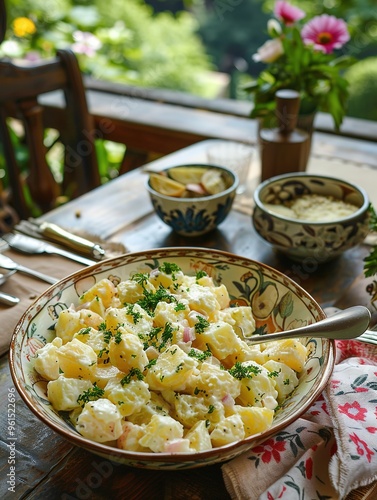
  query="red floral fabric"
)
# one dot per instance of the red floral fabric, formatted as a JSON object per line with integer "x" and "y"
{"x": 330, "y": 450}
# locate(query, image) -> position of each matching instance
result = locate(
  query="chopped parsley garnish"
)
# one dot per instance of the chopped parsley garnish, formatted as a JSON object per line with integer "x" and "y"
{"x": 140, "y": 278}
{"x": 132, "y": 374}
{"x": 274, "y": 374}
{"x": 91, "y": 394}
{"x": 85, "y": 331}
{"x": 102, "y": 327}
{"x": 200, "y": 355}
{"x": 136, "y": 315}
{"x": 286, "y": 381}
{"x": 240, "y": 371}
{"x": 118, "y": 337}
{"x": 150, "y": 300}
{"x": 200, "y": 274}
{"x": 151, "y": 363}
{"x": 201, "y": 325}
{"x": 169, "y": 268}
{"x": 107, "y": 336}
{"x": 102, "y": 351}
{"x": 211, "y": 409}
{"x": 179, "y": 307}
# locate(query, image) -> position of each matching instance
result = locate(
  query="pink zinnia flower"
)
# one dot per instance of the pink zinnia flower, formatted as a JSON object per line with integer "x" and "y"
{"x": 288, "y": 13}
{"x": 326, "y": 33}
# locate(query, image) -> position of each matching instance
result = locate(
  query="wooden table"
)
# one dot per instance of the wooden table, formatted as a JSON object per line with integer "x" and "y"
{"x": 49, "y": 467}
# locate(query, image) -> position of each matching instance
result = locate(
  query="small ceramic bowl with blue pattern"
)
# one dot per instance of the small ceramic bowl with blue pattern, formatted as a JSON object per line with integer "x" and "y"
{"x": 311, "y": 217}
{"x": 193, "y": 199}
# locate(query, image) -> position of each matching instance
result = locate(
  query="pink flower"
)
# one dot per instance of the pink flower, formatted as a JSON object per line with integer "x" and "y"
{"x": 362, "y": 447}
{"x": 269, "y": 51}
{"x": 326, "y": 33}
{"x": 85, "y": 43}
{"x": 354, "y": 411}
{"x": 288, "y": 13}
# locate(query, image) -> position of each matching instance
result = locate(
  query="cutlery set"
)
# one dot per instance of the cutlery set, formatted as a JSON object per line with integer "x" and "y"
{"x": 32, "y": 242}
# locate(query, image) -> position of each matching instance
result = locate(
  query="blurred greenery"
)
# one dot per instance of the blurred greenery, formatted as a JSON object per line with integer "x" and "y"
{"x": 362, "y": 77}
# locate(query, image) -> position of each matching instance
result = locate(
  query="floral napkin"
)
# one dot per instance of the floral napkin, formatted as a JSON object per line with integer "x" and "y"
{"x": 328, "y": 452}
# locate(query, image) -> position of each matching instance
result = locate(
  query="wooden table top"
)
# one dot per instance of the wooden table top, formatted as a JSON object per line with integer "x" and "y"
{"x": 49, "y": 467}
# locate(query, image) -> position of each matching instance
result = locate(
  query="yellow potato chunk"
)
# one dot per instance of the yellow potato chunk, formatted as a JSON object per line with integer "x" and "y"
{"x": 202, "y": 299}
{"x": 189, "y": 409}
{"x": 160, "y": 431}
{"x": 241, "y": 318}
{"x": 245, "y": 353}
{"x": 222, "y": 296}
{"x": 221, "y": 339}
{"x": 289, "y": 351}
{"x": 100, "y": 421}
{"x": 255, "y": 419}
{"x": 129, "y": 440}
{"x": 285, "y": 378}
{"x": 126, "y": 352}
{"x": 47, "y": 361}
{"x": 155, "y": 406}
{"x": 63, "y": 392}
{"x": 257, "y": 386}
{"x": 213, "y": 381}
{"x": 102, "y": 373}
{"x": 71, "y": 321}
{"x": 171, "y": 370}
{"x": 104, "y": 290}
{"x": 136, "y": 321}
{"x": 128, "y": 397}
{"x": 199, "y": 437}
{"x": 130, "y": 291}
{"x": 229, "y": 430}
{"x": 77, "y": 360}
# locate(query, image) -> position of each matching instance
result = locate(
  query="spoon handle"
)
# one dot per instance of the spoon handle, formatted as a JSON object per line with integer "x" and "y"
{"x": 347, "y": 324}
{"x": 8, "y": 299}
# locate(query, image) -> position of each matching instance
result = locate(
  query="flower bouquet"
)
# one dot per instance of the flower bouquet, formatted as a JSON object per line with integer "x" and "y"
{"x": 301, "y": 56}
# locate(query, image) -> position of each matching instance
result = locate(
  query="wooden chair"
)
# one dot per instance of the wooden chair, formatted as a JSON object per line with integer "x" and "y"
{"x": 20, "y": 89}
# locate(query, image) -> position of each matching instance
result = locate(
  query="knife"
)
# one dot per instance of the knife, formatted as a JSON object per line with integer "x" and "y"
{"x": 57, "y": 234}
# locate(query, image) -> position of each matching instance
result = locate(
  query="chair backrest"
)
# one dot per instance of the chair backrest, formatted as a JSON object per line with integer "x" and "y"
{"x": 20, "y": 89}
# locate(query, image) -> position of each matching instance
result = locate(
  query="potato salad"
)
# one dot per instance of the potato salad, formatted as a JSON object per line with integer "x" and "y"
{"x": 160, "y": 363}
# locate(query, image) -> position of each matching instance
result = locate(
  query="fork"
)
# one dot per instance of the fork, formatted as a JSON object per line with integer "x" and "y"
{"x": 368, "y": 337}
{"x": 8, "y": 263}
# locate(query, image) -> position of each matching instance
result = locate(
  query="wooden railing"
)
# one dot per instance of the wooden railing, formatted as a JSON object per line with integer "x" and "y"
{"x": 155, "y": 122}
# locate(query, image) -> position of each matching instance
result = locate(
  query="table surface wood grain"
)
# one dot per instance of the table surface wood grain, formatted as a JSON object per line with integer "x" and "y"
{"x": 48, "y": 466}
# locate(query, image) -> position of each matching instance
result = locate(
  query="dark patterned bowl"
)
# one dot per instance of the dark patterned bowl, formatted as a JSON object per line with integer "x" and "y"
{"x": 277, "y": 303}
{"x": 195, "y": 216}
{"x": 300, "y": 239}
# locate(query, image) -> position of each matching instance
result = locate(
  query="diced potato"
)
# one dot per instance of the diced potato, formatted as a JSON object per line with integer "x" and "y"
{"x": 202, "y": 299}
{"x": 289, "y": 351}
{"x": 126, "y": 352}
{"x": 100, "y": 421}
{"x": 77, "y": 360}
{"x": 71, "y": 321}
{"x": 94, "y": 338}
{"x": 130, "y": 291}
{"x": 245, "y": 353}
{"x": 222, "y": 296}
{"x": 137, "y": 322}
{"x": 64, "y": 392}
{"x": 160, "y": 431}
{"x": 229, "y": 430}
{"x": 155, "y": 406}
{"x": 199, "y": 437}
{"x": 257, "y": 387}
{"x": 171, "y": 370}
{"x": 102, "y": 373}
{"x": 285, "y": 378}
{"x": 189, "y": 409}
{"x": 255, "y": 419}
{"x": 241, "y": 318}
{"x": 160, "y": 278}
{"x": 47, "y": 361}
{"x": 220, "y": 338}
{"x": 129, "y": 440}
{"x": 167, "y": 313}
{"x": 213, "y": 381}
{"x": 104, "y": 290}
{"x": 127, "y": 397}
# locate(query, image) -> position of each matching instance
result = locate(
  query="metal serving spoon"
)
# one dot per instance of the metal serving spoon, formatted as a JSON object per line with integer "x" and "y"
{"x": 7, "y": 298}
{"x": 347, "y": 324}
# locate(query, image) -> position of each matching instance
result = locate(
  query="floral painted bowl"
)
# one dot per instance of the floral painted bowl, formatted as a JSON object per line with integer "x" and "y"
{"x": 308, "y": 240}
{"x": 195, "y": 216}
{"x": 277, "y": 303}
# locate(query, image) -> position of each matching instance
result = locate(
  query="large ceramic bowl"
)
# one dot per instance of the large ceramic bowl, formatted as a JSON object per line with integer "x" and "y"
{"x": 277, "y": 301}
{"x": 300, "y": 239}
{"x": 195, "y": 216}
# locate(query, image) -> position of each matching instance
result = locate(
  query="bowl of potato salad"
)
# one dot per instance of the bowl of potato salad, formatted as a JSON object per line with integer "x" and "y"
{"x": 148, "y": 358}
